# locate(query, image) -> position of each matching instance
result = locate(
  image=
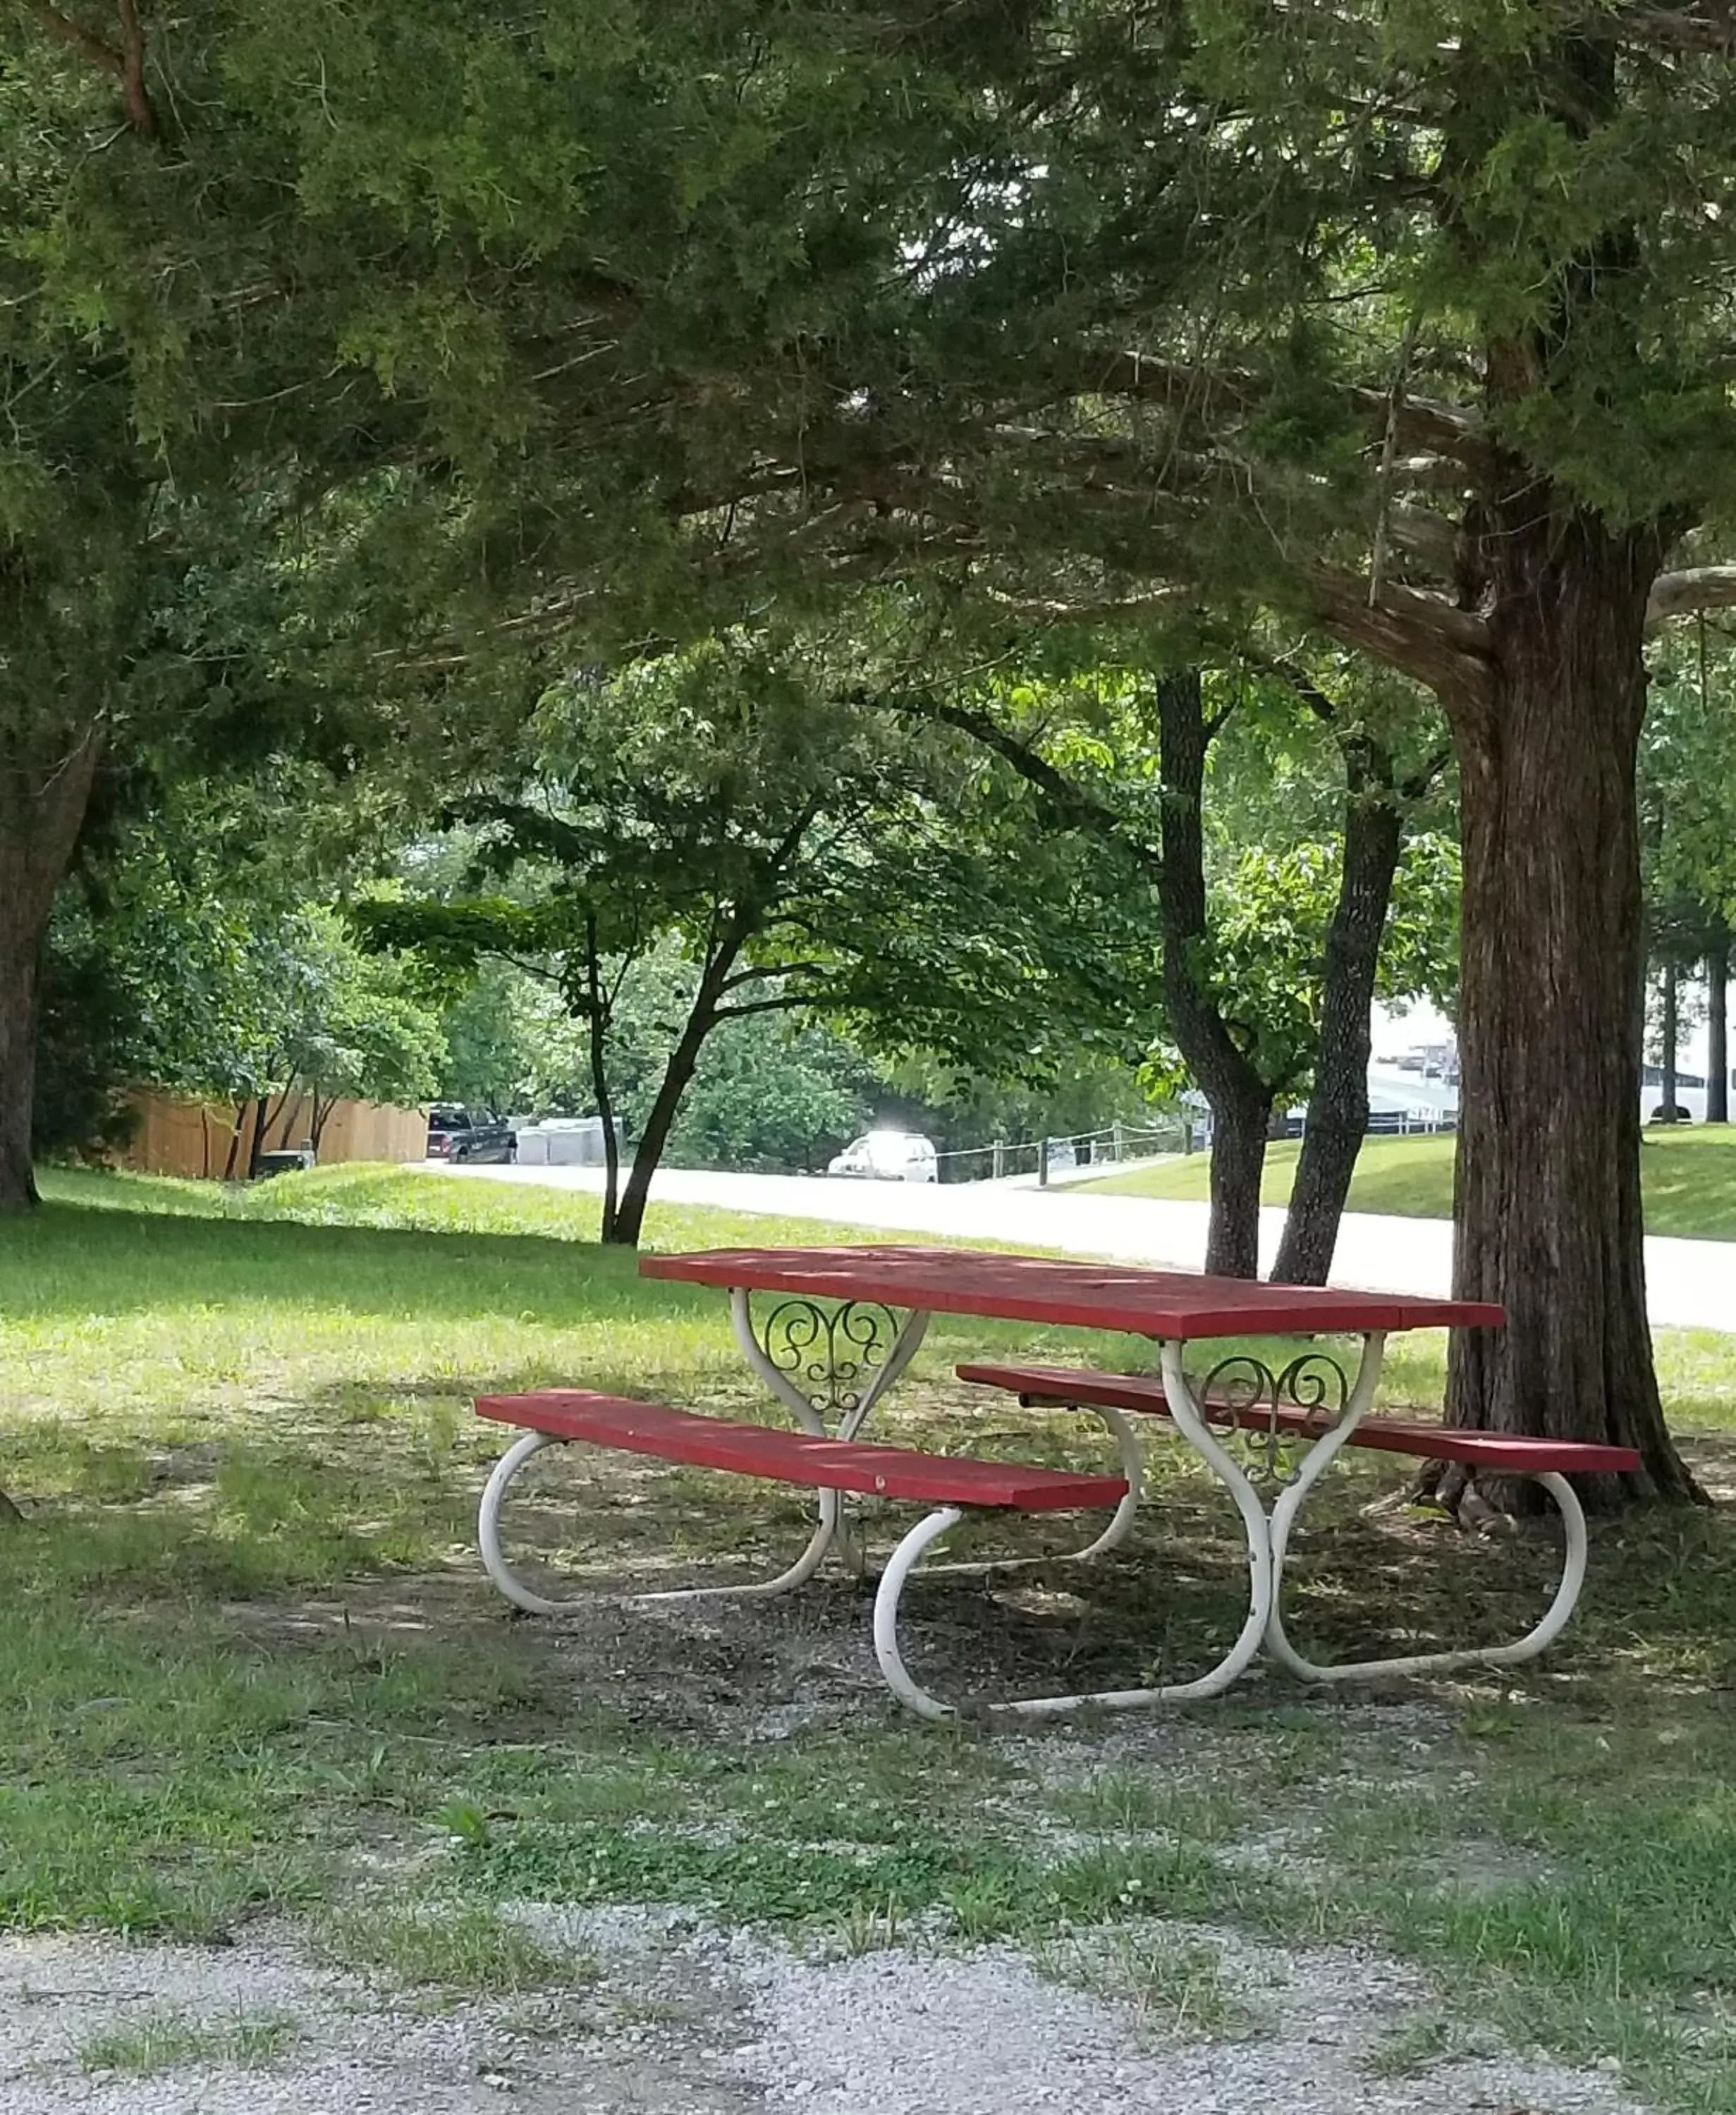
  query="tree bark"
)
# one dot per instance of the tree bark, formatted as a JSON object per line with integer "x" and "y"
{"x": 44, "y": 791}
{"x": 319, "y": 1115}
{"x": 1548, "y": 1218}
{"x": 1338, "y": 1106}
{"x": 21, "y": 950}
{"x": 1718, "y": 1029}
{"x": 1241, "y": 1127}
{"x": 1241, "y": 1099}
{"x": 233, "y": 1161}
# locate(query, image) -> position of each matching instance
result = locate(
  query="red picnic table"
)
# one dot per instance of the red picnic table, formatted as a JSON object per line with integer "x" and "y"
{"x": 829, "y": 1331}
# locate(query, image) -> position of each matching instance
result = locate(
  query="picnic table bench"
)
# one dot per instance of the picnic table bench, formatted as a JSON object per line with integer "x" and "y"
{"x": 953, "y": 1484}
{"x": 846, "y": 1322}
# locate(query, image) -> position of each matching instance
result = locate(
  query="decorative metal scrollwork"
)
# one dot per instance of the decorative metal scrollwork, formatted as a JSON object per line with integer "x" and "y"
{"x": 1245, "y": 1395}
{"x": 831, "y": 1356}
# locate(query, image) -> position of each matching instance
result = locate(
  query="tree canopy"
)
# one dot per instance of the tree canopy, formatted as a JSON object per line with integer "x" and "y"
{"x": 532, "y": 345}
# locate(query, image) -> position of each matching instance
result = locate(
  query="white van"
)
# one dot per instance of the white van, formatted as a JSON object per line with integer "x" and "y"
{"x": 889, "y": 1156}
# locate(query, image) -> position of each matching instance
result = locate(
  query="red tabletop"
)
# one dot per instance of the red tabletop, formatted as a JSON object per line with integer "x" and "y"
{"x": 1173, "y": 1304}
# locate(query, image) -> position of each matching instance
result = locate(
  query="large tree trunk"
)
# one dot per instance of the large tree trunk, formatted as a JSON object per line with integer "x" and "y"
{"x": 1241, "y": 1100}
{"x": 1718, "y": 1029}
{"x": 44, "y": 789}
{"x": 1548, "y": 1216}
{"x": 1338, "y": 1108}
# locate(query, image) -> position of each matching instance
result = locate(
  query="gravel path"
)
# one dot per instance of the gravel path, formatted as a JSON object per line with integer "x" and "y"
{"x": 687, "y": 2020}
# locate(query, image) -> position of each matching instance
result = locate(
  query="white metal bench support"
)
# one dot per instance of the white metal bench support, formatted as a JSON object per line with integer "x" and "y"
{"x": 1556, "y": 1618}
{"x": 521, "y": 1596}
{"x": 909, "y": 1555}
{"x": 901, "y": 1349}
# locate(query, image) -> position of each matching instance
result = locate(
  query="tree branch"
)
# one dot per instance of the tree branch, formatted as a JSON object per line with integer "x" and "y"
{"x": 1420, "y": 422}
{"x": 1449, "y": 649}
{"x": 1069, "y": 803}
{"x": 1694, "y": 588}
{"x": 1707, "y": 28}
{"x": 141, "y": 110}
{"x": 83, "y": 41}
{"x": 1425, "y": 534}
{"x": 784, "y": 1002}
{"x": 760, "y": 973}
{"x": 1427, "y": 773}
{"x": 1292, "y": 672}
{"x": 126, "y": 63}
{"x": 1104, "y": 610}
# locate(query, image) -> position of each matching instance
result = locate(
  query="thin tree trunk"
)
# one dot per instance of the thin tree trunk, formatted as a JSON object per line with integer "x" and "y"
{"x": 597, "y": 1019}
{"x": 1548, "y": 1217}
{"x": 20, "y": 951}
{"x": 44, "y": 791}
{"x": 702, "y": 1018}
{"x": 286, "y": 1110}
{"x": 1241, "y": 1100}
{"x": 1671, "y": 1039}
{"x": 256, "y": 1143}
{"x": 232, "y": 1160}
{"x": 319, "y": 1115}
{"x": 629, "y": 1220}
{"x": 1718, "y": 1029}
{"x": 1338, "y": 1106}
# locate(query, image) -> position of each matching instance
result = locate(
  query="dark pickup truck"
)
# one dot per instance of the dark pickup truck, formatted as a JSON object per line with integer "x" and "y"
{"x": 456, "y": 1134}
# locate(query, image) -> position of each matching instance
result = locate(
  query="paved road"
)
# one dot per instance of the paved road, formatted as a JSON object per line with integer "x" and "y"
{"x": 1692, "y": 1285}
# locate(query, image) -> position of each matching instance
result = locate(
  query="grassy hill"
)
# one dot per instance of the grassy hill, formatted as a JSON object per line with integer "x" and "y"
{"x": 1690, "y": 1178}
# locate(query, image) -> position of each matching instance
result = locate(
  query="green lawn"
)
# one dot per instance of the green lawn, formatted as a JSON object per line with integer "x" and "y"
{"x": 249, "y": 1664}
{"x": 1690, "y": 1177}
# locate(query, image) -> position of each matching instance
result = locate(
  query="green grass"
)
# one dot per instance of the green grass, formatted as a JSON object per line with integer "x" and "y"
{"x": 467, "y": 1948}
{"x": 1172, "y": 1988}
{"x": 1689, "y": 1174}
{"x": 163, "y": 2041}
{"x": 249, "y": 1663}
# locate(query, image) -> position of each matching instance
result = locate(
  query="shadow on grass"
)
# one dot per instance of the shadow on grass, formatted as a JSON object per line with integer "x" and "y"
{"x": 353, "y": 1484}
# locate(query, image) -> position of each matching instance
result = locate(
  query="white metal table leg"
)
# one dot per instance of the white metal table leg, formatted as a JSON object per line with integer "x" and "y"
{"x": 1189, "y": 1418}
{"x": 1184, "y": 1408}
{"x": 831, "y": 1525}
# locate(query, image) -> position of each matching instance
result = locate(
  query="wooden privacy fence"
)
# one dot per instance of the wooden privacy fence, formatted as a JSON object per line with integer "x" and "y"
{"x": 177, "y": 1137}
